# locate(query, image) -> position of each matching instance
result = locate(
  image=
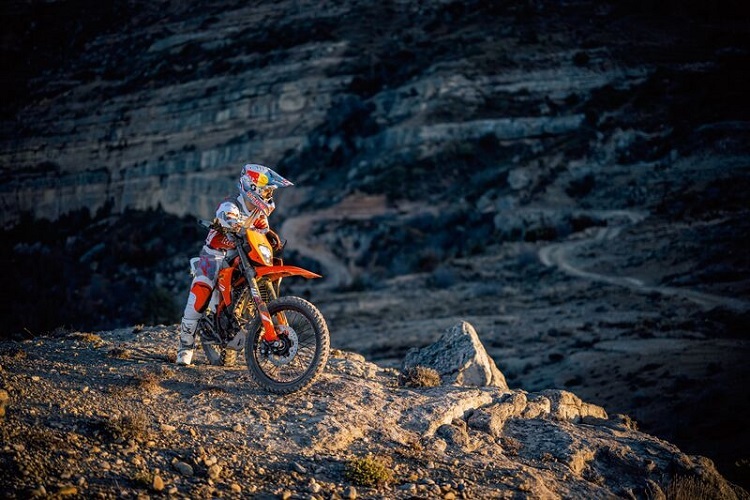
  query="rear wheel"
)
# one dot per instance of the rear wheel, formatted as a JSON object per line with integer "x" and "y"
{"x": 298, "y": 357}
{"x": 213, "y": 346}
{"x": 219, "y": 356}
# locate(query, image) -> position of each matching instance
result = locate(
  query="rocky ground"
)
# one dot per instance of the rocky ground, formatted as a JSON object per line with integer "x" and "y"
{"x": 108, "y": 415}
{"x": 674, "y": 358}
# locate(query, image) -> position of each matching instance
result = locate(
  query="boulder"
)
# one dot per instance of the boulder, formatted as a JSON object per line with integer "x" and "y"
{"x": 460, "y": 359}
{"x": 491, "y": 419}
{"x": 567, "y": 406}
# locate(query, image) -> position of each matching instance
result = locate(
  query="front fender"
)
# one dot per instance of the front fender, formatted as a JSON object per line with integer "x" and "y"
{"x": 274, "y": 272}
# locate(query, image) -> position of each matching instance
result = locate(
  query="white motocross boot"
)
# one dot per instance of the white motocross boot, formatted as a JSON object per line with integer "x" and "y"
{"x": 187, "y": 341}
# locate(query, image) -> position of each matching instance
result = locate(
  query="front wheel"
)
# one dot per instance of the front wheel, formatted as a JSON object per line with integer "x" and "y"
{"x": 299, "y": 356}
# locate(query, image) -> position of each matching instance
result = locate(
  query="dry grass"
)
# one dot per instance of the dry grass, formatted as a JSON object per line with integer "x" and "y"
{"x": 147, "y": 381}
{"x": 693, "y": 488}
{"x": 131, "y": 426}
{"x": 413, "y": 450}
{"x": 215, "y": 390}
{"x": 627, "y": 421}
{"x": 90, "y": 338}
{"x": 143, "y": 479}
{"x": 120, "y": 353}
{"x": 170, "y": 357}
{"x": 420, "y": 376}
{"x": 511, "y": 445}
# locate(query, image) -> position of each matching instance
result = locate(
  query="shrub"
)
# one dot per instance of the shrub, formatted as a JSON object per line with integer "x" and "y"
{"x": 143, "y": 479}
{"x": 511, "y": 445}
{"x": 132, "y": 426}
{"x": 147, "y": 381}
{"x": 368, "y": 471}
{"x": 59, "y": 331}
{"x": 690, "y": 488}
{"x": 90, "y": 338}
{"x": 120, "y": 353}
{"x": 420, "y": 376}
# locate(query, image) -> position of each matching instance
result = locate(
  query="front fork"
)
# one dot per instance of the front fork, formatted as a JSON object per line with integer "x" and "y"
{"x": 269, "y": 330}
{"x": 270, "y": 335}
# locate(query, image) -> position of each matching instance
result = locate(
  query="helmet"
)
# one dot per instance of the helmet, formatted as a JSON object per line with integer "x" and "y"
{"x": 257, "y": 184}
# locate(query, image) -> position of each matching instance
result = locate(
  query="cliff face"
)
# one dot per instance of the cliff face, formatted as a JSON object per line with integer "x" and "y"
{"x": 160, "y": 104}
{"x": 164, "y": 110}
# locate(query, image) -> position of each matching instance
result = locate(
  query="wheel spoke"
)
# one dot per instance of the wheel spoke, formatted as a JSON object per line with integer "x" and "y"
{"x": 301, "y": 354}
{"x": 306, "y": 345}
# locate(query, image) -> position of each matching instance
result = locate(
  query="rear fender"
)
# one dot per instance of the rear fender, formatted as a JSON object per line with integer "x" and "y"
{"x": 275, "y": 272}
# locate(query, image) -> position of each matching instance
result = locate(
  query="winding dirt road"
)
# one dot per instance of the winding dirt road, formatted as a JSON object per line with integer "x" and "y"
{"x": 298, "y": 231}
{"x": 299, "y": 238}
{"x": 560, "y": 255}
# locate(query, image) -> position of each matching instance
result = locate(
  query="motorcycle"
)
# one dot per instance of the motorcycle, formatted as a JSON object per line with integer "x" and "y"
{"x": 285, "y": 338}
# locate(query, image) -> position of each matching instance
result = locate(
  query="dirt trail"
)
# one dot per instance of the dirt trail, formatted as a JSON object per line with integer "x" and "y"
{"x": 560, "y": 255}
{"x": 299, "y": 229}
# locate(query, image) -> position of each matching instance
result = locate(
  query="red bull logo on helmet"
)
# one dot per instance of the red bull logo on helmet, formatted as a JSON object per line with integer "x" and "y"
{"x": 259, "y": 179}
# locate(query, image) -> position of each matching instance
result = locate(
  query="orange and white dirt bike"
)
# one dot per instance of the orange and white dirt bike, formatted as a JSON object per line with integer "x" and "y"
{"x": 286, "y": 339}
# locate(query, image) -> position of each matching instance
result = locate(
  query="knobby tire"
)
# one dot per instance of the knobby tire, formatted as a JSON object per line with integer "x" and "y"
{"x": 313, "y": 343}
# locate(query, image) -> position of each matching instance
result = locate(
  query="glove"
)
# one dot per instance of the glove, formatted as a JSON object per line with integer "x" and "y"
{"x": 261, "y": 223}
{"x": 230, "y": 217}
{"x": 231, "y": 225}
{"x": 275, "y": 241}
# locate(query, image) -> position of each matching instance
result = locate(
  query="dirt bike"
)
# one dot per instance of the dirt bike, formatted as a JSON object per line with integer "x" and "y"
{"x": 285, "y": 339}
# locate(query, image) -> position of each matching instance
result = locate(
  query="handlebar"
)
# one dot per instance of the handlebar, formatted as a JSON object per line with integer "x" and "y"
{"x": 276, "y": 242}
{"x": 215, "y": 225}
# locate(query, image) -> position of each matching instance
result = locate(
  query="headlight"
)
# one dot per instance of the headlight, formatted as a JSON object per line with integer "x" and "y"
{"x": 266, "y": 253}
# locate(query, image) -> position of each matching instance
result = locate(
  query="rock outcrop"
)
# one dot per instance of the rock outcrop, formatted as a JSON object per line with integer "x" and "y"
{"x": 460, "y": 358}
{"x": 107, "y": 415}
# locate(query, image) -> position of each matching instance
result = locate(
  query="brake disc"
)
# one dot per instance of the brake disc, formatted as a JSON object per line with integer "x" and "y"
{"x": 285, "y": 352}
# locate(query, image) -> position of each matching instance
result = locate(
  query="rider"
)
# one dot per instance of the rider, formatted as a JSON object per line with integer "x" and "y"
{"x": 250, "y": 209}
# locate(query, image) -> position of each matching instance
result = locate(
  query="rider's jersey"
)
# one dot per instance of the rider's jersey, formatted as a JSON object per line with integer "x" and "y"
{"x": 233, "y": 214}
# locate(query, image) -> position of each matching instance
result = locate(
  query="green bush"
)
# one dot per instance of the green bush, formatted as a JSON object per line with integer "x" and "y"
{"x": 368, "y": 471}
